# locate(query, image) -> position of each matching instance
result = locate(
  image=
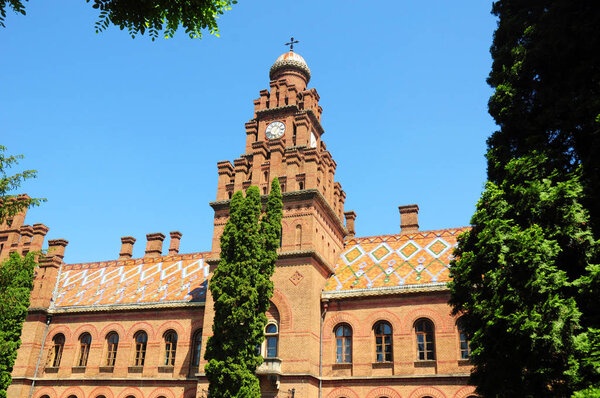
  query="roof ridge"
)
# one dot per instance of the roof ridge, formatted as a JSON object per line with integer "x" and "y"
{"x": 140, "y": 260}
{"x": 356, "y": 238}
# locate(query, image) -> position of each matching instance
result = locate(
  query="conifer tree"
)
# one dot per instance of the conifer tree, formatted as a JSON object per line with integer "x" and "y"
{"x": 526, "y": 276}
{"x": 16, "y": 282}
{"x": 241, "y": 288}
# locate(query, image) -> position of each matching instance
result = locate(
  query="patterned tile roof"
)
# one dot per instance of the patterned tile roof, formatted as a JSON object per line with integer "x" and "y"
{"x": 168, "y": 279}
{"x": 402, "y": 261}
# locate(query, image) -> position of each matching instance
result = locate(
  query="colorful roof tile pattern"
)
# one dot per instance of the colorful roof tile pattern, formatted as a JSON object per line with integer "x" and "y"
{"x": 179, "y": 278}
{"x": 401, "y": 260}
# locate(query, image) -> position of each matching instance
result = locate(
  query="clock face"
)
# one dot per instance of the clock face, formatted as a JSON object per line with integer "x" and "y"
{"x": 275, "y": 130}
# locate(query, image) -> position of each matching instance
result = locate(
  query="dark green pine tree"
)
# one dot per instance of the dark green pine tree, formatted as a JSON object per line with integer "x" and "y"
{"x": 526, "y": 278}
{"x": 16, "y": 282}
{"x": 241, "y": 288}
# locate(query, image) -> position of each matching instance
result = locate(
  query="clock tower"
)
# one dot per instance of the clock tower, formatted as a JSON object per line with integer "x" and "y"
{"x": 284, "y": 139}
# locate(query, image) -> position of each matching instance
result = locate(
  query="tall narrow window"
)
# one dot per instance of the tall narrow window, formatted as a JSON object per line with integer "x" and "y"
{"x": 57, "y": 349}
{"x": 383, "y": 342}
{"x": 343, "y": 344}
{"x": 197, "y": 347}
{"x": 85, "y": 340}
{"x": 141, "y": 339}
{"x": 112, "y": 343}
{"x": 298, "y": 237}
{"x": 272, "y": 339}
{"x": 465, "y": 350}
{"x": 170, "y": 347}
{"x": 425, "y": 342}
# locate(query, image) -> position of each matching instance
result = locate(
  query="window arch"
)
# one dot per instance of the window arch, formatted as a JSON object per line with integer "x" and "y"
{"x": 425, "y": 340}
{"x": 196, "y": 348}
{"x": 58, "y": 342}
{"x": 272, "y": 340}
{"x": 343, "y": 344}
{"x": 141, "y": 339}
{"x": 101, "y": 396}
{"x": 170, "y": 347}
{"x": 85, "y": 341}
{"x": 463, "y": 341}
{"x": 72, "y": 396}
{"x": 112, "y": 344}
{"x": 383, "y": 341}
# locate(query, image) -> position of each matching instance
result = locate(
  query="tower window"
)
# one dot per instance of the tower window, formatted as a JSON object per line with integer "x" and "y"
{"x": 197, "y": 346}
{"x": 301, "y": 185}
{"x": 272, "y": 339}
{"x": 465, "y": 350}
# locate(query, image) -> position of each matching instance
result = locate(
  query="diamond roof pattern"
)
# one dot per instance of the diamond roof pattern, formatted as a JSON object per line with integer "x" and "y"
{"x": 179, "y": 278}
{"x": 395, "y": 260}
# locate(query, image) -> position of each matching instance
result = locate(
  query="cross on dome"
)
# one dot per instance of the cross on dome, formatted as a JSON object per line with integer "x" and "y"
{"x": 291, "y": 43}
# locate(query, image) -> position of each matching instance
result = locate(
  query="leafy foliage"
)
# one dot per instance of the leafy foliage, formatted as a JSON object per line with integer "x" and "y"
{"x": 16, "y": 282}
{"x": 152, "y": 16}
{"x": 241, "y": 288}
{"x": 13, "y": 204}
{"x": 527, "y": 274}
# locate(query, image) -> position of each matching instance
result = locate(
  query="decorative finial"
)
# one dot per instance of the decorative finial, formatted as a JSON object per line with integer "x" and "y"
{"x": 291, "y": 43}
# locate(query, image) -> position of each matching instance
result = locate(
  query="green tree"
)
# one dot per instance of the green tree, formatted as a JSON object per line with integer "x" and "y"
{"x": 241, "y": 288}
{"x": 16, "y": 273}
{"x": 152, "y": 16}
{"x": 16, "y": 282}
{"x": 526, "y": 278}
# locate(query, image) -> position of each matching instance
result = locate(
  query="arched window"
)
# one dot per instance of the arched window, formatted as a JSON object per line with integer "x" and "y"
{"x": 57, "y": 350}
{"x": 45, "y": 396}
{"x": 298, "y": 237}
{"x": 196, "y": 348}
{"x": 72, "y": 396}
{"x": 170, "y": 347}
{"x": 85, "y": 340}
{"x": 271, "y": 338}
{"x": 141, "y": 339}
{"x": 112, "y": 344}
{"x": 101, "y": 396}
{"x": 425, "y": 342}
{"x": 343, "y": 344}
{"x": 465, "y": 350}
{"x": 383, "y": 342}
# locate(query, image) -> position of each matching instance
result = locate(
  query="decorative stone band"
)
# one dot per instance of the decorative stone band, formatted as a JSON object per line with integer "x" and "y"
{"x": 377, "y": 291}
{"x": 290, "y": 64}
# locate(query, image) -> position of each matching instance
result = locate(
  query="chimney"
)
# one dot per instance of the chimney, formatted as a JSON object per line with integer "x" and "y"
{"x": 26, "y": 232}
{"x": 56, "y": 248}
{"x": 174, "y": 246}
{"x": 39, "y": 232}
{"x": 350, "y": 217}
{"x": 126, "y": 247}
{"x": 154, "y": 244}
{"x": 409, "y": 218}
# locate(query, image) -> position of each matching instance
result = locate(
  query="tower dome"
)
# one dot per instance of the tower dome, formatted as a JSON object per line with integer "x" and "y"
{"x": 290, "y": 62}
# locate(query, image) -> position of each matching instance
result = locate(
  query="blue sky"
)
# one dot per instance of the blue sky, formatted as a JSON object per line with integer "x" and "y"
{"x": 126, "y": 133}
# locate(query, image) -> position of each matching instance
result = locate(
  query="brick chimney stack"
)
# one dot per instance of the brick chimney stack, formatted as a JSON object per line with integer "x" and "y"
{"x": 39, "y": 232}
{"x": 56, "y": 248}
{"x": 409, "y": 218}
{"x": 154, "y": 244}
{"x": 127, "y": 243}
{"x": 350, "y": 217}
{"x": 174, "y": 246}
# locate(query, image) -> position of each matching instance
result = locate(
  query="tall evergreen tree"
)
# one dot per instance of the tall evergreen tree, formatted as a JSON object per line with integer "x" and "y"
{"x": 526, "y": 276}
{"x": 241, "y": 288}
{"x": 16, "y": 282}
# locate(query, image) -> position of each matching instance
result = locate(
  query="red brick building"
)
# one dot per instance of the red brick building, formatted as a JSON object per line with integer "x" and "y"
{"x": 350, "y": 317}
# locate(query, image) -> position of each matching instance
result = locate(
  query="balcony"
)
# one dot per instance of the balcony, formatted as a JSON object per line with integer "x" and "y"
{"x": 271, "y": 367}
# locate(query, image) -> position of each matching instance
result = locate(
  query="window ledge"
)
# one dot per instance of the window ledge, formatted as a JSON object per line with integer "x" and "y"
{"x": 464, "y": 362}
{"x": 106, "y": 369}
{"x": 78, "y": 369}
{"x": 166, "y": 369}
{"x": 51, "y": 369}
{"x": 425, "y": 364}
{"x": 135, "y": 369}
{"x": 383, "y": 365}
{"x": 336, "y": 366}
